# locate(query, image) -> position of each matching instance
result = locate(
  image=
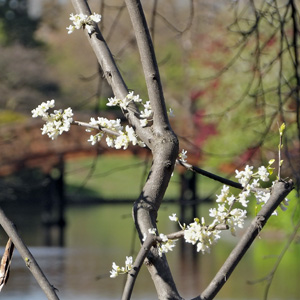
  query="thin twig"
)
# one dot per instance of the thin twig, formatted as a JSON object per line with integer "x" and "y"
{"x": 210, "y": 175}
{"x": 270, "y": 276}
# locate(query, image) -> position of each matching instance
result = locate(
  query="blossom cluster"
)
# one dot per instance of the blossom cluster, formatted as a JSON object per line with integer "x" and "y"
{"x": 56, "y": 122}
{"x": 183, "y": 155}
{"x": 165, "y": 245}
{"x": 59, "y": 121}
{"x": 83, "y": 21}
{"x": 145, "y": 114}
{"x": 250, "y": 181}
{"x": 117, "y": 137}
{"x": 203, "y": 236}
{"x": 197, "y": 233}
{"x": 116, "y": 270}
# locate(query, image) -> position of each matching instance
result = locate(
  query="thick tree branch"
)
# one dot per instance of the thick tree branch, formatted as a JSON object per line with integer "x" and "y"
{"x": 159, "y": 138}
{"x": 279, "y": 191}
{"x": 149, "y": 63}
{"x": 28, "y": 258}
{"x": 164, "y": 150}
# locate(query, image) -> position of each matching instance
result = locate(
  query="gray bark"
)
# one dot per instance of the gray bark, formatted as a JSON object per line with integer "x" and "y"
{"x": 160, "y": 138}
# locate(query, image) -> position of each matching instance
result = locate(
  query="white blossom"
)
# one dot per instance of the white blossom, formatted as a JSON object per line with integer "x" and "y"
{"x": 173, "y": 218}
{"x": 122, "y": 137}
{"x": 183, "y": 155}
{"x": 56, "y": 122}
{"x": 236, "y": 219}
{"x": 116, "y": 270}
{"x": 121, "y": 141}
{"x": 166, "y": 246}
{"x": 147, "y": 112}
{"x": 244, "y": 176}
{"x": 113, "y": 101}
{"x": 263, "y": 173}
{"x": 224, "y": 193}
{"x": 242, "y": 198}
{"x": 143, "y": 122}
{"x": 83, "y": 21}
{"x": 219, "y": 214}
{"x": 204, "y": 237}
{"x": 262, "y": 196}
{"x": 128, "y": 263}
{"x": 152, "y": 231}
{"x": 41, "y": 110}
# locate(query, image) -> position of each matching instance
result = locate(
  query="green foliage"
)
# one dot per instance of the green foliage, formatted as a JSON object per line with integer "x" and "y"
{"x": 8, "y": 116}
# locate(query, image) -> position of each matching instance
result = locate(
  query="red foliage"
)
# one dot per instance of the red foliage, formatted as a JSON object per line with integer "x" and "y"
{"x": 203, "y": 130}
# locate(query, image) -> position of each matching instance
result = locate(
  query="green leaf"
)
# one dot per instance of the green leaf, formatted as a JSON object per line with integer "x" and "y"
{"x": 282, "y": 128}
{"x": 271, "y": 161}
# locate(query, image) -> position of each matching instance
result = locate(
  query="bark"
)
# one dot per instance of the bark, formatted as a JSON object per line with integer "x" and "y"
{"x": 160, "y": 138}
{"x": 28, "y": 258}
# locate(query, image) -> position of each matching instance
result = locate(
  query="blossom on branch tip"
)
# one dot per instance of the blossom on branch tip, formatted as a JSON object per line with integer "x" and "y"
{"x": 56, "y": 122}
{"x": 173, "y": 218}
{"x": 117, "y": 137}
{"x": 83, "y": 21}
{"x": 244, "y": 176}
{"x": 116, "y": 270}
{"x": 143, "y": 122}
{"x": 183, "y": 155}
{"x": 166, "y": 246}
{"x": 147, "y": 112}
{"x": 200, "y": 235}
{"x": 130, "y": 97}
{"x": 123, "y": 103}
{"x": 263, "y": 173}
{"x": 152, "y": 231}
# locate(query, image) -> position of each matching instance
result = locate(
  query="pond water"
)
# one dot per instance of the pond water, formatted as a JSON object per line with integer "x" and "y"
{"x": 97, "y": 235}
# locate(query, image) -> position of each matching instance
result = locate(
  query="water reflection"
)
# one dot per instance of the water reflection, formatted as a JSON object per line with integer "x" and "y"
{"x": 98, "y": 235}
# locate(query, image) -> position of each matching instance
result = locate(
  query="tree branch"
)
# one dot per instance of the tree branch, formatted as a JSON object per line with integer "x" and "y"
{"x": 159, "y": 138}
{"x": 279, "y": 191}
{"x": 164, "y": 149}
{"x": 28, "y": 258}
{"x": 131, "y": 277}
{"x": 111, "y": 72}
{"x": 210, "y": 175}
{"x": 149, "y": 63}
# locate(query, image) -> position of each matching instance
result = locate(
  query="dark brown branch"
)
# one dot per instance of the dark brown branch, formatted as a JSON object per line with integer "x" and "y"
{"x": 279, "y": 191}
{"x": 210, "y": 175}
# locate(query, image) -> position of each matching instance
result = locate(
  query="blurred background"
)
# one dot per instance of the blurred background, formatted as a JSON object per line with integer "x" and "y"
{"x": 230, "y": 73}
